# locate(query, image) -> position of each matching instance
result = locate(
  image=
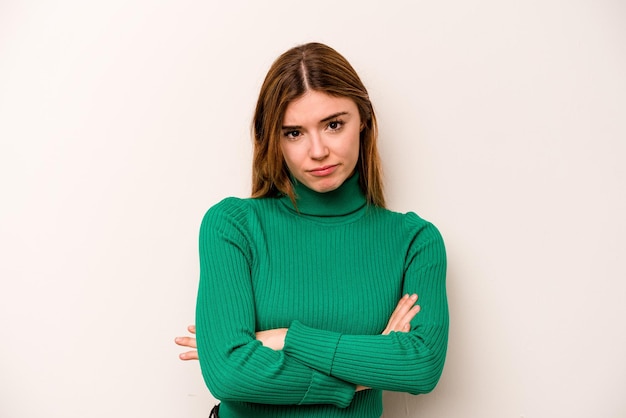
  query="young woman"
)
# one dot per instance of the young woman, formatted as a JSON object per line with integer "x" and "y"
{"x": 307, "y": 303}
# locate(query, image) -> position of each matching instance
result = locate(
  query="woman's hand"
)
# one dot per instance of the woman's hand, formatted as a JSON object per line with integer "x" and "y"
{"x": 400, "y": 320}
{"x": 188, "y": 342}
{"x": 273, "y": 338}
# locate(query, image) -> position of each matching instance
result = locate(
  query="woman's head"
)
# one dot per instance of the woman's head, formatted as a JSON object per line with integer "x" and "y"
{"x": 317, "y": 68}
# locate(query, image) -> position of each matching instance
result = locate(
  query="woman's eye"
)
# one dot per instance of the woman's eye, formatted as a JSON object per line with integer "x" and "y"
{"x": 335, "y": 125}
{"x": 292, "y": 134}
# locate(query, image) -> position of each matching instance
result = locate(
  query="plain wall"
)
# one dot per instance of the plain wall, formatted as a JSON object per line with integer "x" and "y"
{"x": 121, "y": 122}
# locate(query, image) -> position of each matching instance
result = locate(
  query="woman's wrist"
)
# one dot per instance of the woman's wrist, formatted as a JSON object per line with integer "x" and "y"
{"x": 273, "y": 338}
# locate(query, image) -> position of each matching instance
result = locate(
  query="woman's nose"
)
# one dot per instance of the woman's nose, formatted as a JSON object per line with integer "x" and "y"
{"x": 318, "y": 149}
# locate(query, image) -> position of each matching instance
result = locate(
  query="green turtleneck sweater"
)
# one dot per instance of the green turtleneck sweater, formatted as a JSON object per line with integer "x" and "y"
{"x": 332, "y": 272}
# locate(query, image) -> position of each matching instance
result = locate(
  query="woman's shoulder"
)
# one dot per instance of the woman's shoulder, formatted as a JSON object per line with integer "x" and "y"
{"x": 422, "y": 231}
{"x": 412, "y": 223}
{"x": 412, "y": 219}
{"x": 228, "y": 210}
{"x": 227, "y": 205}
{"x": 409, "y": 218}
{"x": 238, "y": 210}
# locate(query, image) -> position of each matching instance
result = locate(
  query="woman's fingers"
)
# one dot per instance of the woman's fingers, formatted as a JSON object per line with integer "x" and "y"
{"x": 188, "y": 342}
{"x": 189, "y": 355}
{"x": 408, "y": 317}
{"x": 403, "y": 314}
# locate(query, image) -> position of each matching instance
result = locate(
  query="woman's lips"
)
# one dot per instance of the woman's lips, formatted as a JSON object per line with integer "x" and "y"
{"x": 323, "y": 171}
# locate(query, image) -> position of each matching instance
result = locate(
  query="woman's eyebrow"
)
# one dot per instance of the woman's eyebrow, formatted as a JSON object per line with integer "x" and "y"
{"x": 333, "y": 116}
{"x": 326, "y": 119}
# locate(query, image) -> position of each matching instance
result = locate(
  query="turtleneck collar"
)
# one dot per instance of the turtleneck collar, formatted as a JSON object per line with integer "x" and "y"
{"x": 345, "y": 200}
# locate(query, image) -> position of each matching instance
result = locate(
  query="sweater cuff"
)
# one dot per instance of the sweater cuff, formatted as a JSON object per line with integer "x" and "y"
{"x": 328, "y": 390}
{"x": 315, "y": 348}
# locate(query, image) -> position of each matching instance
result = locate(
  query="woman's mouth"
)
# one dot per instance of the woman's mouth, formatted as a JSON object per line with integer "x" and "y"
{"x": 324, "y": 170}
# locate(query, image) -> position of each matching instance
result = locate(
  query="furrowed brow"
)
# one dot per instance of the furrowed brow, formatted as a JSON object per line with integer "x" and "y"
{"x": 333, "y": 116}
{"x": 326, "y": 119}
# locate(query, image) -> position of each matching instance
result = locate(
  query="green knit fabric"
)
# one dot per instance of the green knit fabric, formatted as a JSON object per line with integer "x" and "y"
{"x": 331, "y": 271}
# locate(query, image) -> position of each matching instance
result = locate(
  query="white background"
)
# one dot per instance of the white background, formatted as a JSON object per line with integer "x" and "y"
{"x": 121, "y": 122}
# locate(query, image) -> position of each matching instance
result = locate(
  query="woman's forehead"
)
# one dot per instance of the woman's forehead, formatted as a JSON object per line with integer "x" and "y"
{"x": 315, "y": 107}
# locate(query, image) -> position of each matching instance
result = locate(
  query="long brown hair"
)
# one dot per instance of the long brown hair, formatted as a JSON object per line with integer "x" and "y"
{"x": 317, "y": 67}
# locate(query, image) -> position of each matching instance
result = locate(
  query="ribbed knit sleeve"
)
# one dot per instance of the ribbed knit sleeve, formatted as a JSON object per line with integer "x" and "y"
{"x": 236, "y": 366}
{"x": 408, "y": 362}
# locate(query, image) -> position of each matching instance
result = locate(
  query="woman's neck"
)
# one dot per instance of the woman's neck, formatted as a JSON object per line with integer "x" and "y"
{"x": 346, "y": 199}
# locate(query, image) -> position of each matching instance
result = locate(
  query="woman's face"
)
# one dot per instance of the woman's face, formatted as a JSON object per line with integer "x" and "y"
{"x": 320, "y": 140}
